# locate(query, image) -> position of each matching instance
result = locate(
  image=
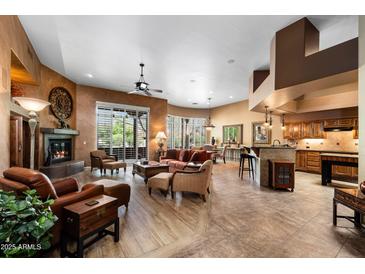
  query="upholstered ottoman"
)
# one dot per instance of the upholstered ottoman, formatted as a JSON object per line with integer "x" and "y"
{"x": 116, "y": 189}
{"x": 115, "y": 165}
{"x": 161, "y": 181}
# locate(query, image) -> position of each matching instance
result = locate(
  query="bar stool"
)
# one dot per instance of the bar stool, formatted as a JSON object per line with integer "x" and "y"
{"x": 250, "y": 159}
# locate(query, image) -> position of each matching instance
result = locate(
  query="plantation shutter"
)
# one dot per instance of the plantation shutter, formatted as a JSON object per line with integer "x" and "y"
{"x": 104, "y": 128}
{"x": 142, "y": 124}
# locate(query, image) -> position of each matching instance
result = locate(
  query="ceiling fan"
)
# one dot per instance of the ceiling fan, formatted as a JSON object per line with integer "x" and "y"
{"x": 142, "y": 86}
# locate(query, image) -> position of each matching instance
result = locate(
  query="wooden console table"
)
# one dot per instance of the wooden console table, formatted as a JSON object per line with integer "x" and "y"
{"x": 330, "y": 159}
{"x": 351, "y": 198}
{"x": 83, "y": 221}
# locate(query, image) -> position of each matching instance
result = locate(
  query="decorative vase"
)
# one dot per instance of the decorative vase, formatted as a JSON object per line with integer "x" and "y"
{"x": 362, "y": 187}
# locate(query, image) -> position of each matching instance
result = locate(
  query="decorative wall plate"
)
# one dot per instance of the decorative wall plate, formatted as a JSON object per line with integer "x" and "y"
{"x": 61, "y": 103}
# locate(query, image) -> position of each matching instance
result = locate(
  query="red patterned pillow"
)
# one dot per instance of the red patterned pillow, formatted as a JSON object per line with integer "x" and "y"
{"x": 194, "y": 157}
{"x": 184, "y": 155}
{"x": 202, "y": 156}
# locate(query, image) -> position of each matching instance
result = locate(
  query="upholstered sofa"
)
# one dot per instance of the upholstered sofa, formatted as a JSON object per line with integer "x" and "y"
{"x": 64, "y": 192}
{"x": 177, "y": 159}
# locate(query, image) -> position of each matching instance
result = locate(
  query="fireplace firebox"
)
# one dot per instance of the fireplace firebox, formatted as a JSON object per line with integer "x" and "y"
{"x": 59, "y": 150}
{"x": 58, "y": 145}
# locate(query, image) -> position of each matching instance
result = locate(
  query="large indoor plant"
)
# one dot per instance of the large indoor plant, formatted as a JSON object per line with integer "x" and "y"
{"x": 25, "y": 224}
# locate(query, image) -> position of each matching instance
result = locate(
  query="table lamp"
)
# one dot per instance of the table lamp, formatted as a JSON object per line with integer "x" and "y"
{"x": 161, "y": 137}
{"x": 33, "y": 105}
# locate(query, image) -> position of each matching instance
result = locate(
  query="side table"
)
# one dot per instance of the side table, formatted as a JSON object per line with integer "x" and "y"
{"x": 351, "y": 198}
{"x": 83, "y": 221}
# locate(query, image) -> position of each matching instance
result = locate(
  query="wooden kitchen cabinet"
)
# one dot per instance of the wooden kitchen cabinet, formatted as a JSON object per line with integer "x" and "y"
{"x": 310, "y": 161}
{"x": 288, "y": 131}
{"x": 355, "y": 131}
{"x": 301, "y": 159}
{"x": 304, "y": 130}
{"x": 313, "y": 161}
{"x": 307, "y": 130}
{"x": 347, "y": 122}
{"x": 297, "y": 130}
{"x": 317, "y": 130}
{"x": 345, "y": 171}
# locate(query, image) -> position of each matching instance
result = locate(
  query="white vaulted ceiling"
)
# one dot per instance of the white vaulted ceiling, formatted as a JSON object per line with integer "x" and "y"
{"x": 175, "y": 49}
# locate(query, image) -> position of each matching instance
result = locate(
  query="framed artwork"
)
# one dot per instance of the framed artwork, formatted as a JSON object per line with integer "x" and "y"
{"x": 260, "y": 133}
{"x": 232, "y": 134}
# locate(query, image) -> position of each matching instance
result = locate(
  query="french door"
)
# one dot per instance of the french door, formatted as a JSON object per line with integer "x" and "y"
{"x": 123, "y": 130}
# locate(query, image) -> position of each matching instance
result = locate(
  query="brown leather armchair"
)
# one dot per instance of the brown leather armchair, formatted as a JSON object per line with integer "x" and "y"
{"x": 64, "y": 192}
{"x": 99, "y": 157}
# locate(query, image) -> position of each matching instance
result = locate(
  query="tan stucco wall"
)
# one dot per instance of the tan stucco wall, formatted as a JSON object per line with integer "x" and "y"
{"x": 86, "y": 98}
{"x": 187, "y": 112}
{"x": 238, "y": 113}
{"x": 12, "y": 37}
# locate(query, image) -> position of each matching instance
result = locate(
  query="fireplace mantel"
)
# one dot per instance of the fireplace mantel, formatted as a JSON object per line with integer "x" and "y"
{"x": 61, "y": 131}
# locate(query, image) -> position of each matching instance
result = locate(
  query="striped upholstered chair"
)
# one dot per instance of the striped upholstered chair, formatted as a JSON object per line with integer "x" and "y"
{"x": 193, "y": 181}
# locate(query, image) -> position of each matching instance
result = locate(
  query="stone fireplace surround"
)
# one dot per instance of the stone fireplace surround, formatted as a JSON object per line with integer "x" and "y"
{"x": 65, "y": 165}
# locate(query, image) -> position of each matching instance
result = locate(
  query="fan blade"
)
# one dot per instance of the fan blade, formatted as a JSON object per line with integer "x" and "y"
{"x": 147, "y": 92}
{"x": 133, "y": 92}
{"x": 156, "y": 90}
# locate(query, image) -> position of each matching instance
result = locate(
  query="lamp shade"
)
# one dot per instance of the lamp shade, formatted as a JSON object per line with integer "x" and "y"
{"x": 31, "y": 104}
{"x": 161, "y": 135}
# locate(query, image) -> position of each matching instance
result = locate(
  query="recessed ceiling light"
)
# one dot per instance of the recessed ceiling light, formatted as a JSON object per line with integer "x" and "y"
{"x": 89, "y": 75}
{"x": 230, "y": 61}
{"x": 230, "y": 97}
{"x": 195, "y": 103}
{"x": 211, "y": 92}
{"x": 192, "y": 81}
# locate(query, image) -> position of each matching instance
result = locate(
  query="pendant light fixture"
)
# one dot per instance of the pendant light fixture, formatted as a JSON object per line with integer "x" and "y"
{"x": 208, "y": 123}
{"x": 270, "y": 120}
{"x": 266, "y": 117}
{"x": 283, "y": 121}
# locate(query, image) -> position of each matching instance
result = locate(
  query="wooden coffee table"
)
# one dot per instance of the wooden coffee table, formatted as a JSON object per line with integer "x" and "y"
{"x": 149, "y": 170}
{"x": 82, "y": 221}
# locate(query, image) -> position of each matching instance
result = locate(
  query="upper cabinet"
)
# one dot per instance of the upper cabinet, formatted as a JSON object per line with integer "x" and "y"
{"x": 349, "y": 122}
{"x": 315, "y": 129}
{"x": 304, "y": 130}
{"x": 355, "y": 132}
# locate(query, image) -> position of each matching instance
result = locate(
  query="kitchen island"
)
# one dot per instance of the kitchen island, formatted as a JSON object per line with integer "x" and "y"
{"x": 335, "y": 159}
{"x": 264, "y": 154}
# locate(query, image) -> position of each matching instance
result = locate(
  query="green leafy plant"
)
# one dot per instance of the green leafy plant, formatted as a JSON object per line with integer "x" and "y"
{"x": 25, "y": 223}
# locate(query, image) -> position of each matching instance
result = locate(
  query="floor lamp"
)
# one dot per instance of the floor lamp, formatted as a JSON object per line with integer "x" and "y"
{"x": 32, "y": 105}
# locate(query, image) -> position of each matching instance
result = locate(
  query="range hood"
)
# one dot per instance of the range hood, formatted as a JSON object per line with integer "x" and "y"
{"x": 338, "y": 128}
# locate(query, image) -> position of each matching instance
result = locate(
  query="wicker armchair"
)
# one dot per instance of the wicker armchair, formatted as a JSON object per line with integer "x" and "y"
{"x": 99, "y": 157}
{"x": 193, "y": 181}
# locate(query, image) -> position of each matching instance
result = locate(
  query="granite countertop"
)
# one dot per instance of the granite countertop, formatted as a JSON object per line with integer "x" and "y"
{"x": 340, "y": 155}
{"x": 273, "y": 147}
{"x": 328, "y": 151}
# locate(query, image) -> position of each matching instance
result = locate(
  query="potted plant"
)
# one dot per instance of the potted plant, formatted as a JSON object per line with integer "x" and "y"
{"x": 25, "y": 224}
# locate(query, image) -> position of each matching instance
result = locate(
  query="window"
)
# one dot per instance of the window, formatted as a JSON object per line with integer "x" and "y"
{"x": 122, "y": 130}
{"x": 185, "y": 132}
